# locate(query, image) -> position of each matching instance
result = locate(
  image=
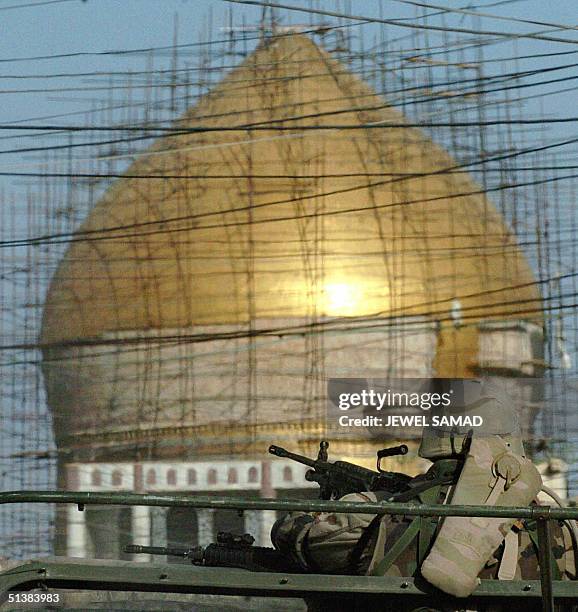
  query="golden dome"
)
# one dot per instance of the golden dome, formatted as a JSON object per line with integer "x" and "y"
{"x": 194, "y": 251}
{"x": 289, "y": 225}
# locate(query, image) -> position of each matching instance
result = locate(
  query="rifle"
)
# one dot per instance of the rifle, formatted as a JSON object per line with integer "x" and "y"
{"x": 229, "y": 550}
{"x": 338, "y": 478}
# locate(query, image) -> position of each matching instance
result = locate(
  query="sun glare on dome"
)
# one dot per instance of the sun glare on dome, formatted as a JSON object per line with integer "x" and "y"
{"x": 340, "y": 299}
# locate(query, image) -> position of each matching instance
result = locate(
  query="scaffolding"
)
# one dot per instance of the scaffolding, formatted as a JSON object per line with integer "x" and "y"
{"x": 485, "y": 152}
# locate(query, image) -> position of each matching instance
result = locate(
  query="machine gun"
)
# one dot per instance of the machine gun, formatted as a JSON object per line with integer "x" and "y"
{"x": 338, "y": 478}
{"x": 229, "y": 550}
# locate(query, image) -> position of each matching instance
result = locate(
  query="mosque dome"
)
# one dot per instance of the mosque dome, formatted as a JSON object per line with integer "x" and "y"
{"x": 211, "y": 291}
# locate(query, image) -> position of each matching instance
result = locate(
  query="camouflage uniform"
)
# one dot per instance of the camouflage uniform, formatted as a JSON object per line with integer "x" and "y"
{"x": 495, "y": 472}
{"x": 322, "y": 542}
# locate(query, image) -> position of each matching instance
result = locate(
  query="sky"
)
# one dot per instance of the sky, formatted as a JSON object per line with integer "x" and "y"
{"x": 85, "y": 31}
{"x": 93, "y": 26}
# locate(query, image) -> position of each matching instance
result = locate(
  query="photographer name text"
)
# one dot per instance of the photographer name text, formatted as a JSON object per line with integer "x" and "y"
{"x": 419, "y": 420}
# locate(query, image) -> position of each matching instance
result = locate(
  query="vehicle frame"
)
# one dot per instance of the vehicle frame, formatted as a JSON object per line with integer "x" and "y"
{"x": 546, "y": 593}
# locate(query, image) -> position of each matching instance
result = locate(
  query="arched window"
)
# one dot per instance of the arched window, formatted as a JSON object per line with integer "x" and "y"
{"x": 232, "y": 477}
{"x": 151, "y": 477}
{"x": 171, "y": 477}
{"x": 116, "y": 478}
{"x": 192, "y": 477}
{"x": 253, "y": 475}
{"x": 96, "y": 478}
{"x": 287, "y": 474}
{"x": 212, "y": 477}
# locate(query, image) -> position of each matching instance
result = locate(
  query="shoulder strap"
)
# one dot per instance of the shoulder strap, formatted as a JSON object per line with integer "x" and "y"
{"x": 509, "y": 561}
{"x": 400, "y": 545}
{"x": 354, "y": 556}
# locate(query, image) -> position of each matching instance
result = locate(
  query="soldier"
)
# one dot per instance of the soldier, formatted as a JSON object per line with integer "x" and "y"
{"x": 494, "y": 472}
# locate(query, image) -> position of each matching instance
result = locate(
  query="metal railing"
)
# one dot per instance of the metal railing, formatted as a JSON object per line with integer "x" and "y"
{"x": 543, "y": 515}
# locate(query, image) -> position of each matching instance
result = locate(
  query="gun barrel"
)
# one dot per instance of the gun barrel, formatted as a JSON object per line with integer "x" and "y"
{"x": 279, "y": 451}
{"x": 136, "y": 549}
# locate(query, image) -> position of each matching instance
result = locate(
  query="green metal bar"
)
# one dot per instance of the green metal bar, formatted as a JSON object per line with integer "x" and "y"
{"x": 545, "y": 558}
{"x": 101, "y": 574}
{"x": 428, "y": 526}
{"x": 137, "y": 499}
